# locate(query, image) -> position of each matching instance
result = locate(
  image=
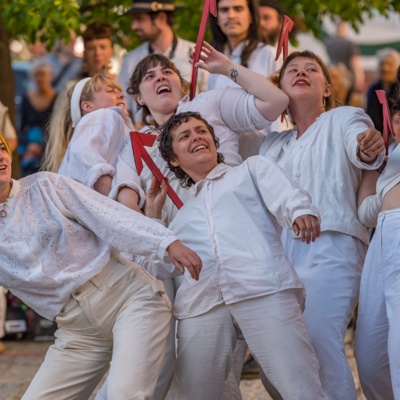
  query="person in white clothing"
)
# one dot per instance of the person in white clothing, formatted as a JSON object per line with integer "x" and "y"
{"x": 247, "y": 285}
{"x": 160, "y": 91}
{"x": 58, "y": 256}
{"x": 325, "y": 155}
{"x": 86, "y": 138}
{"x": 153, "y": 24}
{"x": 377, "y": 344}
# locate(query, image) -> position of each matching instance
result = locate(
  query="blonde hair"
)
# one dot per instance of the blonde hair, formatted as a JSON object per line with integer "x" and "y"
{"x": 8, "y": 150}
{"x": 60, "y": 125}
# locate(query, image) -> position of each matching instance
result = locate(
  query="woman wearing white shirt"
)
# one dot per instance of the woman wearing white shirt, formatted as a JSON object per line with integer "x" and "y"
{"x": 57, "y": 256}
{"x": 325, "y": 155}
{"x": 86, "y": 137}
{"x": 160, "y": 91}
{"x": 377, "y": 344}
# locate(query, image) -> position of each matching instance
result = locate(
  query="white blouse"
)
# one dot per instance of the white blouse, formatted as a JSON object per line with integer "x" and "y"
{"x": 58, "y": 234}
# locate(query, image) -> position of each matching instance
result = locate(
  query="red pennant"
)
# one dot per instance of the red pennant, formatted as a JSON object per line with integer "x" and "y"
{"x": 283, "y": 43}
{"x": 210, "y": 6}
{"x": 139, "y": 140}
{"x": 387, "y": 122}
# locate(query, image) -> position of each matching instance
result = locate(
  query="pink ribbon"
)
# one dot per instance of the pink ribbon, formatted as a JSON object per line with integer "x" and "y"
{"x": 139, "y": 140}
{"x": 387, "y": 123}
{"x": 210, "y": 6}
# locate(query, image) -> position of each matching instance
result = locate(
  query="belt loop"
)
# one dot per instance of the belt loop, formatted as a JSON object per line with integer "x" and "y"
{"x": 97, "y": 282}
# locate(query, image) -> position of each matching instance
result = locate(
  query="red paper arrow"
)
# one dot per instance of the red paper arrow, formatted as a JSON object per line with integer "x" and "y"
{"x": 387, "y": 122}
{"x": 283, "y": 43}
{"x": 210, "y": 6}
{"x": 139, "y": 140}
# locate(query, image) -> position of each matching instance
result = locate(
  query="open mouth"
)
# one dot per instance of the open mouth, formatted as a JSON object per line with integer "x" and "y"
{"x": 301, "y": 82}
{"x": 3, "y": 167}
{"x": 163, "y": 89}
{"x": 198, "y": 148}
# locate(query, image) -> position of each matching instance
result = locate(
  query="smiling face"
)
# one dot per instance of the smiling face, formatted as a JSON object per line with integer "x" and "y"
{"x": 303, "y": 78}
{"x": 107, "y": 95}
{"x": 160, "y": 90}
{"x": 5, "y": 170}
{"x": 194, "y": 148}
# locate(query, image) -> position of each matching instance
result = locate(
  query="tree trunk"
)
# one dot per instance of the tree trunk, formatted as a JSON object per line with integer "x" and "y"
{"x": 7, "y": 87}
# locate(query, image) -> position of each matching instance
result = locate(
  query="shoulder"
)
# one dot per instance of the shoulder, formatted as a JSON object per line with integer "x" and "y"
{"x": 184, "y": 42}
{"x": 104, "y": 116}
{"x": 141, "y": 49}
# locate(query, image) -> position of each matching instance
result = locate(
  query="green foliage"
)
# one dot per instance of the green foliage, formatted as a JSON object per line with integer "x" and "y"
{"x": 47, "y": 20}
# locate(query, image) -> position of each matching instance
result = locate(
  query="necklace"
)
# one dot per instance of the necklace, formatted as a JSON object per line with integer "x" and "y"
{"x": 3, "y": 212}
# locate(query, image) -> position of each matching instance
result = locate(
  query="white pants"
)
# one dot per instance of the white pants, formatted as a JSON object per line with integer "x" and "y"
{"x": 122, "y": 315}
{"x": 377, "y": 343}
{"x": 167, "y": 370}
{"x": 275, "y": 332}
{"x": 330, "y": 269}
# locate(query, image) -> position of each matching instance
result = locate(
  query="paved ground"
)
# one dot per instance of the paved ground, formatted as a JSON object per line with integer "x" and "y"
{"x": 22, "y": 359}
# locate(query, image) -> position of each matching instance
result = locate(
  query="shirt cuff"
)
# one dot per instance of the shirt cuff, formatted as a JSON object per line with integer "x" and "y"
{"x": 96, "y": 172}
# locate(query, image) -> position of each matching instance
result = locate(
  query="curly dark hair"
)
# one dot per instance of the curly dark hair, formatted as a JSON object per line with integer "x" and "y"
{"x": 165, "y": 143}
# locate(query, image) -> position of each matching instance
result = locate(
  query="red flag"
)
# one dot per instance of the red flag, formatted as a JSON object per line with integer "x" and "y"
{"x": 210, "y": 6}
{"x": 283, "y": 43}
{"x": 387, "y": 122}
{"x": 139, "y": 140}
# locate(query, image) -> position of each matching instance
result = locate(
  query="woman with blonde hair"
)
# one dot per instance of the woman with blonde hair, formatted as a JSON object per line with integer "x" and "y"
{"x": 88, "y": 134}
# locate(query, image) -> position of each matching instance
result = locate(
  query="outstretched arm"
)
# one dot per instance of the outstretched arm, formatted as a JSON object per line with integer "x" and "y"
{"x": 270, "y": 100}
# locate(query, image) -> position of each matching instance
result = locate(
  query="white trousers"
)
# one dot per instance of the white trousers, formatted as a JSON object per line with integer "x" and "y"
{"x": 377, "y": 343}
{"x": 330, "y": 269}
{"x": 275, "y": 332}
{"x": 122, "y": 315}
{"x": 167, "y": 370}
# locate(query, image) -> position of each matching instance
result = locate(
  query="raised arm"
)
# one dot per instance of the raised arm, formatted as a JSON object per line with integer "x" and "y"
{"x": 270, "y": 100}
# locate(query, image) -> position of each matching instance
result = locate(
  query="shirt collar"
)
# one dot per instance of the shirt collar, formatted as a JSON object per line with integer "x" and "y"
{"x": 214, "y": 174}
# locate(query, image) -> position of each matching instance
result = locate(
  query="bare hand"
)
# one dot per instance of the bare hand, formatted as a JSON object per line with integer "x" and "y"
{"x": 371, "y": 145}
{"x": 212, "y": 60}
{"x": 308, "y": 226}
{"x": 183, "y": 257}
{"x": 155, "y": 198}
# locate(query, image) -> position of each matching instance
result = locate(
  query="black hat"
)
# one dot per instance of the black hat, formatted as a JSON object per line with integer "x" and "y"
{"x": 149, "y": 6}
{"x": 273, "y": 4}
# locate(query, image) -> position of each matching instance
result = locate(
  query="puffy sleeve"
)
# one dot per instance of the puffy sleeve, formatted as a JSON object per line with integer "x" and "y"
{"x": 94, "y": 147}
{"x": 369, "y": 209}
{"x": 358, "y": 121}
{"x": 117, "y": 225}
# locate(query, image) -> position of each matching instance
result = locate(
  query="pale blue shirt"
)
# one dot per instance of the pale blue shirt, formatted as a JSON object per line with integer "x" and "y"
{"x": 233, "y": 221}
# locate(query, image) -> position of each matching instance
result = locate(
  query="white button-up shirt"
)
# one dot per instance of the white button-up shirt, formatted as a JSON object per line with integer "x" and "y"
{"x": 324, "y": 161}
{"x": 233, "y": 222}
{"x": 58, "y": 234}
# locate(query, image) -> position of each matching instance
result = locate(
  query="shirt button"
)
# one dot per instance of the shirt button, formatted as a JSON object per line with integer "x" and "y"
{"x": 297, "y": 174}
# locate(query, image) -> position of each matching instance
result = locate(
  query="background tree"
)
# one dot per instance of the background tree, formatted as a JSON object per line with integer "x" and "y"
{"x": 48, "y": 20}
